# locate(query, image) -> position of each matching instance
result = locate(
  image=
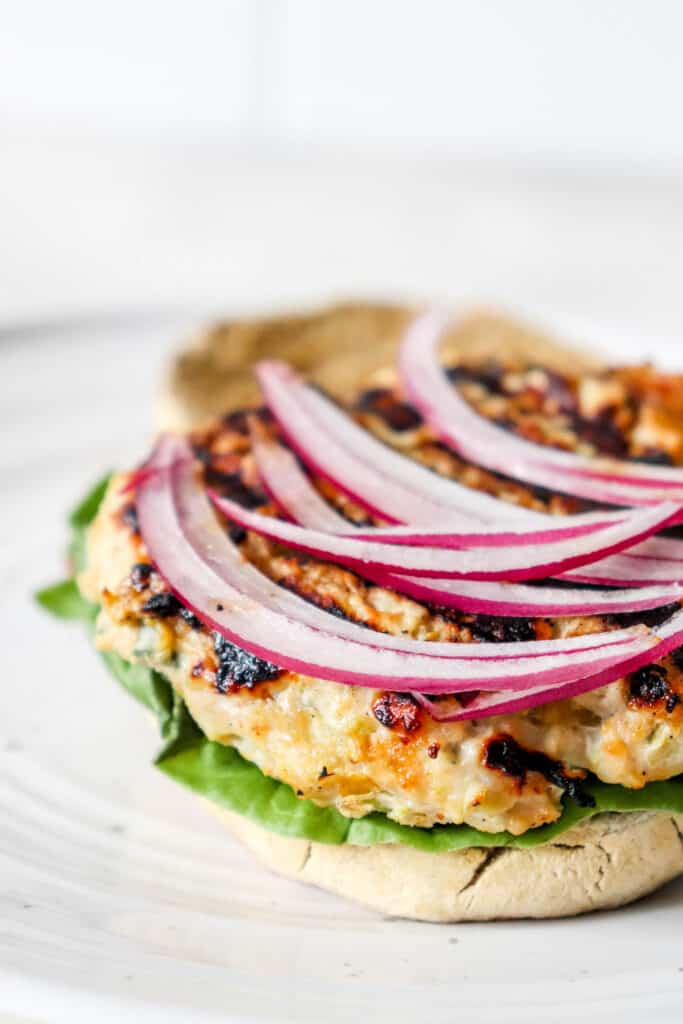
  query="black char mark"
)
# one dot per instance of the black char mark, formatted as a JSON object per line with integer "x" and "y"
{"x": 231, "y": 485}
{"x": 651, "y": 617}
{"x": 239, "y": 420}
{"x": 648, "y": 685}
{"x": 129, "y": 515}
{"x": 238, "y": 668}
{"x": 202, "y": 453}
{"x": 140, "y": 576}
{"x": 491, "y": 628}
{"x": 399, "y": 416}
{"x": 163, "y": 605}
{"x": 397, "y": 710}
{"x": 190, "y": 618}
{"x": 236, "y": 533}
{"x": 654, "y": 457}
{"x": 503, "y": 753}
{"x": 602, "y": 432}
{"x": 558, "y": 394}
{"x": 489, "y": 376}
{"x": 166, "y": 605}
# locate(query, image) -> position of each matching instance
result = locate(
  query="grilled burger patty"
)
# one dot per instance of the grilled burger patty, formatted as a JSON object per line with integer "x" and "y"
{"x": 362, "y": 750}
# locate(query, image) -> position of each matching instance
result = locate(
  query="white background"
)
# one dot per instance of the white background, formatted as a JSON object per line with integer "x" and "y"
{"x": 586, "y": 80}
{"x": 214, "y": 155}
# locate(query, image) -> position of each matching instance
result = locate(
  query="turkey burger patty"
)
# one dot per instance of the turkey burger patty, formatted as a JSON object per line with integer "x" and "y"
{"x": 361, "y": 750}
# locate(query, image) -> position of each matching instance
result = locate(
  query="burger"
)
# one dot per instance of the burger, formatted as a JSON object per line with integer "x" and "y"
{"x": 404, "y": 594}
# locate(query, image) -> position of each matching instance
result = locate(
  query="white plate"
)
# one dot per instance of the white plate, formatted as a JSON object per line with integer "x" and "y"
{"x": 120, "y": 899}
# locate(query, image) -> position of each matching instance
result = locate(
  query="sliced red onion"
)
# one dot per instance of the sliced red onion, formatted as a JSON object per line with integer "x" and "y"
{"x": 287, "y": 484}
{"x": 188, "y": 546}
{"x": 271, "y": 454}
{"x": 418, "y": 494}
{"x": 401, "y": 490}
{"x": 278, "y": 599}
{"x": 283, "y": 478}
{"x": 364, "y": 481}
{"x": 641, "y": 474}
{"x": 522, "y": 562}
{"x": 496, "y": 597}
{"x": 610, "y": 481}
{"x": 476, "y": 537}
{"x": 486, "y": 705}
{"x": 626, "y": 570}
{"x": 445, "y": 710}
{"x": 165, "y": 453}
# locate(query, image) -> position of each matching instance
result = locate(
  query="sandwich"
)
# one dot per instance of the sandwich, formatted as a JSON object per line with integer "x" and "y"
{"x": 404, "y": 594}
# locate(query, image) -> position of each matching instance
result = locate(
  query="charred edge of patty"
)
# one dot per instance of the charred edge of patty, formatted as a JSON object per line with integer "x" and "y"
{"x": 504, "y": 754}
{"x": 166, "y": 605}
{"x": 649, "y": 687}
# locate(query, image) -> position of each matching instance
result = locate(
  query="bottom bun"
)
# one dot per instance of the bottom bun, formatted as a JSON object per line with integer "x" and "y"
{"x": 603, "y": 862}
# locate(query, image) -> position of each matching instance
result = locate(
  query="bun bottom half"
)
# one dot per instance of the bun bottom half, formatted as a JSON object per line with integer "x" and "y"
{"x": 600, "y": 864}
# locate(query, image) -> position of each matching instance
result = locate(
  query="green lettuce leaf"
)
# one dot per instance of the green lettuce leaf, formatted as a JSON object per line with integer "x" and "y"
{"x": 220, "y": 774}
{"x": 81, "y": 518}
{"x": 65, "y": 601}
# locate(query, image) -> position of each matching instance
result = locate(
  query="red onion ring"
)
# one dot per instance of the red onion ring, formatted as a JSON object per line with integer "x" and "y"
{"x": 280, "y": 600}
{"x": 611, "y": 481}
{"x": 376, "y": 476}
{"x": 469, "y": 534}
{"x": 401, "y": 490}
{"x": 361, "y": 466}
{"x": 522, "y": 562}
{"x": 485, "y": 705}
{"x": 146, "y": 469}
{"x": 188, "y": 546}
{"x": 283, "y": 478}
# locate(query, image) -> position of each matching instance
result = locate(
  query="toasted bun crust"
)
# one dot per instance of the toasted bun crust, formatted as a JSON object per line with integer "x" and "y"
{"x": 341, "y": 347}
{"x": 604, "y": 862}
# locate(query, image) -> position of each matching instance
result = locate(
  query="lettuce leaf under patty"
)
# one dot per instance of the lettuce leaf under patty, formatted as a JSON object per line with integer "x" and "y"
{"x": 220, "y": 774}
